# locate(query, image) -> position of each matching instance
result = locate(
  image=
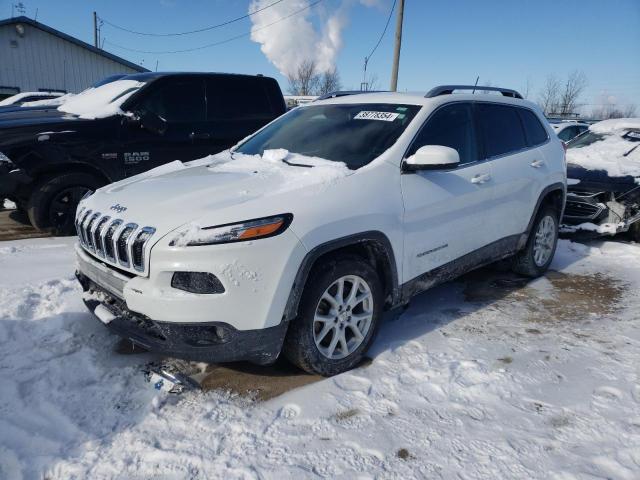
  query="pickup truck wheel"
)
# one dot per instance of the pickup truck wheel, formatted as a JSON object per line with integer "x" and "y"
{"x": 534, "y": 259}
{"x": 339, "y": 313}
{"x": 53, "y": 203}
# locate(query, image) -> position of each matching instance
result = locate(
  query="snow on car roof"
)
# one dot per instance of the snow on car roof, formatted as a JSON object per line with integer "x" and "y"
{"x": 608, "y": 126}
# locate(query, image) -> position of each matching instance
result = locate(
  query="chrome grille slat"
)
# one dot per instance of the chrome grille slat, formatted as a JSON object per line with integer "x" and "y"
{"x": 126, "y": 235}
{"x": 109, "y": 235}
{"x": 97, "y": 235}
{"x": 88, "y": 231}
{"x": 139, "y": 245}
{"x": 83, "y": 226}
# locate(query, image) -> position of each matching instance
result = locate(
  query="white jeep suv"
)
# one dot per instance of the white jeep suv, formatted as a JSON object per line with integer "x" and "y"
{"x": 300, "y": 237}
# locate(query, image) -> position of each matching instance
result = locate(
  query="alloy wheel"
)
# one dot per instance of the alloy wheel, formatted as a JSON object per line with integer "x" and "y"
{"x": 343, "y": 317}
{"x": 544, "y": 240}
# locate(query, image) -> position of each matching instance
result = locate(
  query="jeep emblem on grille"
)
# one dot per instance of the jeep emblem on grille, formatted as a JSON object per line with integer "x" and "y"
{"x": 118, "y": 208}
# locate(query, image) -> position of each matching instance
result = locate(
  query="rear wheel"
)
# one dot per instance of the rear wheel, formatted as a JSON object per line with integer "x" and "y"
{"x": 53, "y": 203}
{"x": 338, "y": 317}
{"x": 535, "y": 258}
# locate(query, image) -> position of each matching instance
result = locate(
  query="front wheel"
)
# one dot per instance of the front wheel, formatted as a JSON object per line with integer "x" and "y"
{"x": 338, "y": 317}
{"x": 53, "y": 203}
{"x": 535, "y": 258}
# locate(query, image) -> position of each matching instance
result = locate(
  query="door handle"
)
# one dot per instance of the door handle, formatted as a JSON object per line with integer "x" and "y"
{"x": 199, "y": 136}
{"x": 481, "y": 178}
{"x": 537, "y": 163}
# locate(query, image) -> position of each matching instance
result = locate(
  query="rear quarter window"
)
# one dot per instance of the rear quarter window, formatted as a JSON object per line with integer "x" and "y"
{"x": 501, "y": 129}
{"x": 533, "y": 129}
{"x": 238, "y": 97}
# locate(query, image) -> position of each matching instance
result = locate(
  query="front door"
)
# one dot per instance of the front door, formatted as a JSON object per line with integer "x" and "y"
{"x": 445, "y": 210}
{"x": 181, "y": 104}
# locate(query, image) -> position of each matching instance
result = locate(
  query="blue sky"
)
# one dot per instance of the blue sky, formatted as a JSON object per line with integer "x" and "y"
{"x": 509, "y": 43}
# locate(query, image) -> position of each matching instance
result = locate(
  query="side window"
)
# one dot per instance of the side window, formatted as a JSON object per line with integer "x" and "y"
{"x": 501, "y": 129}
{"x": 237, "y": 97}
{"x": 179, "y": 101}
{"x": 450, "y": 126}
{"x": 567, "y": 134}
{"x": 535, "y": 132}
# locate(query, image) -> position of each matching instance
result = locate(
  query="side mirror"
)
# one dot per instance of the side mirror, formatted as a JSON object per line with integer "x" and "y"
{"x": 432, "y": 157}
{"x": 152, "y": 122}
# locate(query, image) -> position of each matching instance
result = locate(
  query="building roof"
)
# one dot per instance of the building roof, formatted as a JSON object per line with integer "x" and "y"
{"x": 69, "y": 38}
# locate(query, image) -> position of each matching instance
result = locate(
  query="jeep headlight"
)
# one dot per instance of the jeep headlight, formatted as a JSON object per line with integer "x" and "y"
{"x": 195, "y": 235}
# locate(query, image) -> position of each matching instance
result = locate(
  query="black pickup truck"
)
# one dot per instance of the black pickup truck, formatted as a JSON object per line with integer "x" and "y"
{"x": 50, "y": 158}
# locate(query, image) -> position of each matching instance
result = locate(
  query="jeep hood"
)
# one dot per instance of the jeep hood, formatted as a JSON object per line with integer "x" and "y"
{"x": 216, "y": 190}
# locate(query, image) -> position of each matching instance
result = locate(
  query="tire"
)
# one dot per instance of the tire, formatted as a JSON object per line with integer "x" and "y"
{"x": 634, "y": 232}
{"x": 543, "y": 237}
{"x": 53, "y": 203}
{"x": 300, "y": 346}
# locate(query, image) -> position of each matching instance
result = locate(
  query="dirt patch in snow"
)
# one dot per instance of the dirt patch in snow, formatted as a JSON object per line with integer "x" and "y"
{"x": 259, "y": 382}
{"x": 555, "y": 297}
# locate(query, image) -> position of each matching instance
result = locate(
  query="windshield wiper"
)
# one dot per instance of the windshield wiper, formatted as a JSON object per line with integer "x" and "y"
{"x": 296, "y": 164}
{"x": 627, "y": 154}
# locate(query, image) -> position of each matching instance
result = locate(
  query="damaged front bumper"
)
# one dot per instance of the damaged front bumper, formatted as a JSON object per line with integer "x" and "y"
{"x": 213, "y": 342}
{"x": 594, "y": 213}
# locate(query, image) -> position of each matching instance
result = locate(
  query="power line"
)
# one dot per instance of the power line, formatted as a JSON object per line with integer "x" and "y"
{"x": 386, "y": 25}
{"x": 212, "y": 27}
{"x": 246, "y": 34}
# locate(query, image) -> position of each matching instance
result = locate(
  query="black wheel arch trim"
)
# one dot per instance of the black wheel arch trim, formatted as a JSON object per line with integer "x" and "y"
{"x": 554, "y": 187}
{"x": 373, "y": 236}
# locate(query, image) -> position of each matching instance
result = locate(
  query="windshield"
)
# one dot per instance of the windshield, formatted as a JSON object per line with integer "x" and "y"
{"x": 351, "y": 133}
{"x": 587, "y": 138}
{"x": 102, "y": 101}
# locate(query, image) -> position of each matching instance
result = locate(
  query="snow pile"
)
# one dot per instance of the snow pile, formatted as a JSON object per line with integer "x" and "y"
{"x": 536, "y": 381}
{"x": 102, "y": 101}
{"x": 608, "y": 154}
{"x": 615, "y": 124}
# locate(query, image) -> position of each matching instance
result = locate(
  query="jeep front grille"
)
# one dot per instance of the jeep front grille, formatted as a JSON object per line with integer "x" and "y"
{"x": 114, "y": 242}
{"x": 577, "y": 209}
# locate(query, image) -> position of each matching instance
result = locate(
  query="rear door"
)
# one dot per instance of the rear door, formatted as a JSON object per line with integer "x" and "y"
{"x": 181, "y": 103}
{"x": 237, "y": 106}
{"x": 518, "y": 167}
{"x": 445, "y": 210}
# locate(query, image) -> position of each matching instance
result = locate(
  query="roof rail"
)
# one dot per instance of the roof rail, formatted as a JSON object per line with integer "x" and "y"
{"x": 448, "y": 89}
{"x": 344, "y": 93}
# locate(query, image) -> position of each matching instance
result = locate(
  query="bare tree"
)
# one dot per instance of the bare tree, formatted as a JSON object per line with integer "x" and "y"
{"x": 305, "y": 79}
{"x": 371, "y": 83}
{"x": 549, "y": 97}
{"x": 573, "y": 88}
{"x": 329, "y": 81}
{"x": 611, "y": 110}
{"x": 629, "y": 111}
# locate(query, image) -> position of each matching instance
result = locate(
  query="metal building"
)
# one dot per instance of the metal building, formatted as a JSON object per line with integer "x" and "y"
{"x": 35, "y": 57}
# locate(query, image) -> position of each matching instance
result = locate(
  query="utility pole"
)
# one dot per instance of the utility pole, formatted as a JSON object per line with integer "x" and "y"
{"x": 95, "y": 30}
{"x": 396, "y": 50}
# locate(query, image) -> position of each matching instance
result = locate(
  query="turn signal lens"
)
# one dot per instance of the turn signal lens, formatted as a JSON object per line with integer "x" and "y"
{"x": 236, "y": 232}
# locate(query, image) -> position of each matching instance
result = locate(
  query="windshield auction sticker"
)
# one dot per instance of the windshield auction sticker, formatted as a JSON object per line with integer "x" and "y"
{"x": 381, "y": 116}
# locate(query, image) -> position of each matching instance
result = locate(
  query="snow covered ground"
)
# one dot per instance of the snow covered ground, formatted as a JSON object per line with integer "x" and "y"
{"x": 489, "y": 377}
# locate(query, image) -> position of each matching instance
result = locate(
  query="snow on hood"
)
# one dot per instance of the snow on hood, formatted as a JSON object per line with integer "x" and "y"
{"x": 609, "y": 126}
{"x": 102, "y": 101}
{"x": 608, "y": 154}
{"x": 176, "y": 193}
